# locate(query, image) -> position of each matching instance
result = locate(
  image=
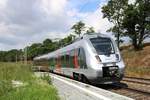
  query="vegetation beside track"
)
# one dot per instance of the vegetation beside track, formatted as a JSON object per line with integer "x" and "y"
{"x": 18, "y": 82}
{"x": 137, "y": 62}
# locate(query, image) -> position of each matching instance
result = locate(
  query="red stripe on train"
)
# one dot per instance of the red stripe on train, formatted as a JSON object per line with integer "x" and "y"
{"x": 76, "y": 64}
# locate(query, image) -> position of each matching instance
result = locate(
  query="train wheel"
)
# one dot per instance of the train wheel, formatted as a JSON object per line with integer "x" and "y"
{"x": 51, "y": 71}
{"x": 84, "y": 79}
{"x": 80, "y": 77}
{"x": 75, "y": 76}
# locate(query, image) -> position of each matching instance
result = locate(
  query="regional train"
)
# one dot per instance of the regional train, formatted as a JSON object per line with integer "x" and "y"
{"x": 92, "y": 58}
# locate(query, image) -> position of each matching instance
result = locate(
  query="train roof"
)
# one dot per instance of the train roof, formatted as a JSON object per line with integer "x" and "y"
{"x": 70, "y": 46}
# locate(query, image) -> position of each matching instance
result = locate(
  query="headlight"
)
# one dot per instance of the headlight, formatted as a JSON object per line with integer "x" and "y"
{"x": 118, "y": 57}
{"x": 98, "y": 59}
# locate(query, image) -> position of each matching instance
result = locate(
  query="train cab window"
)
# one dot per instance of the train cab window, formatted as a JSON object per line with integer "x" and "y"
{"x": 103, "y": 45}
{"x": 81, "y": 58}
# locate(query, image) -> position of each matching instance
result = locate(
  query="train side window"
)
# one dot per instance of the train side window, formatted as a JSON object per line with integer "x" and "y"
{"x": 71, "y": 58}
{"x": 58, "y": 59}
{"x": 81, "y": 58}
{"x": 52, "y": 63}
{"x": 63, "y": 61}
{"x": 67, "y": 60}
{"x": 55, "y": 61}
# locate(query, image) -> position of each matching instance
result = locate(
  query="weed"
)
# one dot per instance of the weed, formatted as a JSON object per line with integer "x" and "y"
{"x": 33, "y": 88}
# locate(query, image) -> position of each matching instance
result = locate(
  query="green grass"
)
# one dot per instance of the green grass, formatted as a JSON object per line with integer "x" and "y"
{"x": 33, "y": 88}
{"x": 12, "y": 71}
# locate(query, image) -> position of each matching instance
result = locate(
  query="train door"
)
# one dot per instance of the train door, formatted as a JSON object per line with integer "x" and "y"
{"x": 76, "y": 64}
{"x": 82, "y": 58}
{"x": 58, "y": 65}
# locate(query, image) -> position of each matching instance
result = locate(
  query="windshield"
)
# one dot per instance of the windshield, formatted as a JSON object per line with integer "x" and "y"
{"x": 103, "y": 45}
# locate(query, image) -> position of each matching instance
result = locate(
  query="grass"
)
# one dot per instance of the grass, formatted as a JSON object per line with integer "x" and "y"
{"x": 33, "y": 88}
{"x": 137, "y": 62}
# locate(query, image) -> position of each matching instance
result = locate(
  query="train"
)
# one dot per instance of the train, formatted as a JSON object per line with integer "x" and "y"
{"x": 93, "y": 58}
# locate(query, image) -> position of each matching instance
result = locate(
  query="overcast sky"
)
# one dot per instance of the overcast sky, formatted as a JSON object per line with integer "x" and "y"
{"x": 23, "y": 22}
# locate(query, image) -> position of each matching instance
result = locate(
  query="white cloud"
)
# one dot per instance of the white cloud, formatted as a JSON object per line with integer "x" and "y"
{"x": 98, "y": 22}
{"x": 94, "y": 19}
{"x": 55, "y": 7}
{"x": 23, "y": 22}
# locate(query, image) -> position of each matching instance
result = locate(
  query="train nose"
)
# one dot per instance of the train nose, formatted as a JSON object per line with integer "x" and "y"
{"x": 108, "y": 58}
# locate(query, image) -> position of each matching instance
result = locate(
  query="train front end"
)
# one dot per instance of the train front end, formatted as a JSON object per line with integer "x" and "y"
{"x": 108, "y": 65}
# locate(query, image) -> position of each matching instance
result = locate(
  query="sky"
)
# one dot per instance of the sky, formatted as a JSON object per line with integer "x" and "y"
{"x": 23, "y": 22}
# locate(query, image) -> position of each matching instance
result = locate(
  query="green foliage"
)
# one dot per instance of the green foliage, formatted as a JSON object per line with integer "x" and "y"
{"x": 67, "y": 40}
{"x": 46, "y": 77}
{"x": 47, "y": 42}
{"x": 34, "y": 50}
{"x": 90, "y": 30}
{"x": 32, "y": 89}
{"x": 114, "y": 11}
{"x": 11, "y": 55}
{"x": 135, "y": 23}
{"x": 13, "y": 71}
{"x": 78, "y": 28}
{"x": 130, "y": 20}
{"x": 5, "y": 87}
{"x": 32, "y": 92}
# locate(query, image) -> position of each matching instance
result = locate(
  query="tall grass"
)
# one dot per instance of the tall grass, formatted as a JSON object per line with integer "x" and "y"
{"x": 137, "y": 62}
{"x": 33, "y": 88}
{"x": 13, "y": 71}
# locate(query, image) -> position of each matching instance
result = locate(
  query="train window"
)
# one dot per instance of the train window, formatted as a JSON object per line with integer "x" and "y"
{"x": 71, "y": 59}
{"x": 67, "y": 60}
{"x": 52, "y": 64}
{"x": 102, "y": 45}
{"x": 55, "y": 61}
{"x": 63, "y": 62}
{"x": 81, "y": 58}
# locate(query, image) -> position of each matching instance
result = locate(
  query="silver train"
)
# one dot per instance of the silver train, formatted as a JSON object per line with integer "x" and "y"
{"x": 93, "y": 58}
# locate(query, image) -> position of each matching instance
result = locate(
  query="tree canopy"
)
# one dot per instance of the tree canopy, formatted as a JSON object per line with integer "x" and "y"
{"x": 78, "y": 28}
{"x": 129, "y": 19}
{"x": 114, "y": 12}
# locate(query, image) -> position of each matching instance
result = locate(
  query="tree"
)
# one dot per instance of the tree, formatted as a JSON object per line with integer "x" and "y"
{"x": 67, "y": 40}
{"x": 90, "y": 30}
{"x": 47, "y": 42}
{"x": 12, "y": 55}
{"x": 2, "y": 56}
{"x": 136, "y": 23}
{"x": 114, "y": 12}
{"x": 34, "y": 50}
{"x": 78, "y": 28}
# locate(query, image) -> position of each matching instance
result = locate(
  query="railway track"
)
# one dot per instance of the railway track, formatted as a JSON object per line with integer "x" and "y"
{"x": 136, "y": 88}
{"x": 137, "y": 80}
{"x": 134, "y": 93}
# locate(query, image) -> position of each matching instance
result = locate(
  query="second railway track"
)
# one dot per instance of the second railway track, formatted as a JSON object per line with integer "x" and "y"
{"x": 131, "y": 92}
{"x": 137, "y": 80}
{"x": 136, "y": 88}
